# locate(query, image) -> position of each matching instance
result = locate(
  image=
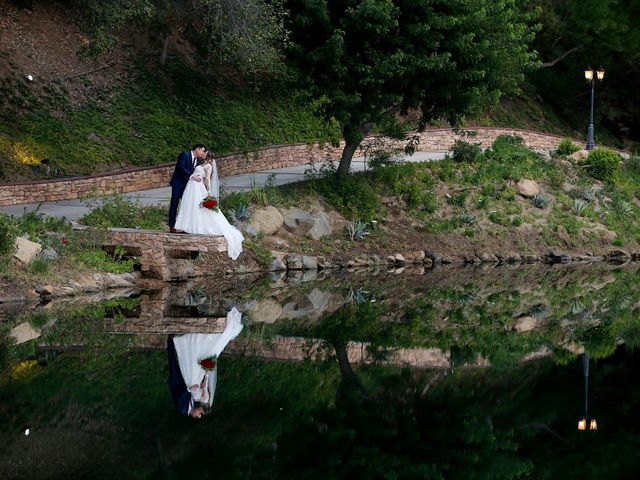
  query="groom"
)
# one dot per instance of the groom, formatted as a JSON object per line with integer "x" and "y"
{"x": 187, "y": 162}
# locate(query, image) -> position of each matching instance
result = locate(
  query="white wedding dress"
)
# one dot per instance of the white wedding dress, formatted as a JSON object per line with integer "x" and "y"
{"x": 192, "y": 218}
{"x": 193, "y": 347}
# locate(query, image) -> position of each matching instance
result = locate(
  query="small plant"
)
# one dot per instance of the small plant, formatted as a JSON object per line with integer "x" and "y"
{"x": 603, "y": 164}
{"x": 578, "y": 206}
{"x": 258, "y": 195}
{"x": 465, "y": 152}
{"x": 516, "y": 221}
{"x": 39, "y": 266}
{"x": 538, "y": 311}
{"x": 358, "y": 230}
{"x": 577, "y": 307}
{"x": 624, "y": 208}
{"x": 7, "y": 240}
{"x": 458, "y": 199}
{"x": 240, "y": 214}
{"x": 539, "y": 201}
{"x": 567, "y": 147}
{"x": 357, "y": 296}
{"x": 467, "y": 218}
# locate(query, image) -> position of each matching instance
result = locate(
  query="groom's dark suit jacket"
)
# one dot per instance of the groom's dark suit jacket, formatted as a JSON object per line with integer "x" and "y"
{"x": 181, "y": 396}
{"x": 184, "y": 170}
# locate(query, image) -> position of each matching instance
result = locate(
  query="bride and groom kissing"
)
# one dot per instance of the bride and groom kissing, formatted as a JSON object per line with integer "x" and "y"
{"x": 195, "y": 178}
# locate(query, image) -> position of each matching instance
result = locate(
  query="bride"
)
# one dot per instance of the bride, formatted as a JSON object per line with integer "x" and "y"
{"x": 192, "y": 218}
{"x": 196, "y": 387}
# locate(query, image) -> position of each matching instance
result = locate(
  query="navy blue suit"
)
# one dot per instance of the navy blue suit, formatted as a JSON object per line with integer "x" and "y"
{"x": 181, "y": 396}
{"x": 182, "y": 173}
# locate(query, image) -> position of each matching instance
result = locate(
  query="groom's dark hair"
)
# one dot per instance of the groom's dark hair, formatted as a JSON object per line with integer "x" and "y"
{"x": 198, "y": 145}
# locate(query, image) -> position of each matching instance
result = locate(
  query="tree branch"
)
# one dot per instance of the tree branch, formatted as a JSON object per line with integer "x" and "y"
{"x": 561, "y": 57}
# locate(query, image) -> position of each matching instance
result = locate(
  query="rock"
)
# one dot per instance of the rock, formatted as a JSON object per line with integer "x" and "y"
{"x": 278, "y": 262}
{"x": 267, "y": 310}
{"x": 115, "y": 281}
{"x": 435, "y": 257}
{"x": 530, "y": 258}
{"x": 323, "y": 263}
{"x": 488, "y": 258}
{"x": 376, "y": 259}
{"x": 23, "y": 333}
{"x": 294, "y": 261}
{"x": 309, "y": 263}
{"x": 267, "y": 220}
{"x": 49, "y": 254}
{"x": 399, "y": 260}
{"x": 525, "y": 324}
{"x": 298, "y": 221}
{"x": 618, "y": 256}
{"x": 579, "y": 155}
{"x": 44, "y": 290}
{"x": 309, "y": 275}
{"x": 514, "y": 258}
{"x": 558, "y": 257}
{"x": 527, "y": 188}
{"x": 26, "y": 250}
{"x": 321, "y": 226}
{"x": 12, "y": 299}
{"x": 251, "y": 230}
{"x": 427, "y": 262}
{"x": 391, "y": 260}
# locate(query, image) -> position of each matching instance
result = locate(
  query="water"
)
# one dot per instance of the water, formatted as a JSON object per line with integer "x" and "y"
{"x": 453, "y": 374}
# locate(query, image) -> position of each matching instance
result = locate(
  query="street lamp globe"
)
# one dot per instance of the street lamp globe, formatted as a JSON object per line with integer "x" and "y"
{"x": 588, "y": 73}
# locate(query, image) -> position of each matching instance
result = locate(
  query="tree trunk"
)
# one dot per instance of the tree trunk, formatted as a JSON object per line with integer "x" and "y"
{"x": 163, "y": 54}
{"x": 347, "y": 156}
{"x": 349, "y": 377}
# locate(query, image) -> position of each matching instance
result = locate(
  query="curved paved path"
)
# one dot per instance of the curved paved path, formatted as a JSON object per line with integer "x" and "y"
{"x": 74, "y": 209}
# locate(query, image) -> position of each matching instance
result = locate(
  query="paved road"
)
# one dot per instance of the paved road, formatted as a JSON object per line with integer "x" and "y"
{"x": 74, "y": 209}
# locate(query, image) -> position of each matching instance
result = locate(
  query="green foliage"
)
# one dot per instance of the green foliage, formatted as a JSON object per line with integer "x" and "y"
{"x": 118, "y": 211}
{"x": 261, "y": 252}
{"x": 566, "y": 147}
{"x": 458, "y": 199}
{"x": 357, "y": 230}
{"x": 540, "y": 201}
{"x": 603, "y": 164}
{"x": 578, "y": 206}
{"x": 39, "y": 266}
{"x": 465, "y": 152}
{"x": 101, "y": 261}
{"x": 7, "y": 238}
{"x": 368, "y": 60}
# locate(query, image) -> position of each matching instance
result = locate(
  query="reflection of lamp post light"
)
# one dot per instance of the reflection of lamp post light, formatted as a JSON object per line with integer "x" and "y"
{"x": 588, "y": 74}
{"x": 582, "y": 423}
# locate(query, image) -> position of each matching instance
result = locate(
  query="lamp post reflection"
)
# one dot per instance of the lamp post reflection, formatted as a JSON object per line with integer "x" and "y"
{"x": 586, "y": 421}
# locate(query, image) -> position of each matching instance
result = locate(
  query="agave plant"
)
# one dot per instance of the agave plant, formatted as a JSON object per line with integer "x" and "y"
{"x": 467, "y": 218}
{"x": 539, "y": 201}
{"x": 357, "y": 295}
{"x": 624, "y": 208}
{"x": 578, "y": 206}
{"x": 577, "y": 307}
{"x": 358, "y": 230}
{"x": 240, "y": 214}
{"x": 538, "y": 311}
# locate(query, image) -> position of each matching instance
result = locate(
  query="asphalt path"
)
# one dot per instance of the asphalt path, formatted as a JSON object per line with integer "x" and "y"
{"x": 74, "y": 209}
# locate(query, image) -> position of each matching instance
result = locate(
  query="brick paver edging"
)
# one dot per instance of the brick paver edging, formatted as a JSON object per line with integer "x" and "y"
{"x": 275, "y": 156}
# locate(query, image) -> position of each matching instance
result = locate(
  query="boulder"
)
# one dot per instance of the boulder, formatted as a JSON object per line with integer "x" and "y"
{"x": 298, "y": 221}
{"x": 579, "y": 155}
{"x": 309, "y": 263}
{"x": 525, "y": 324}
{"x": 321, "y": 226}
{"x": 49, "y": 254}
{"x": 278, "y": 262}
{"x": 266, "y": 220}
{"x": 267, "y": 310}
{"x": 294, "y": 261}
{"x": 26, "y": 250}
{"x": 527, "y": 188}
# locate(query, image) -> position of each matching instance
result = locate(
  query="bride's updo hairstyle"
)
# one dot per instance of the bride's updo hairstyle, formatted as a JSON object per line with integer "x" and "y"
{"x": 208, "y": 158}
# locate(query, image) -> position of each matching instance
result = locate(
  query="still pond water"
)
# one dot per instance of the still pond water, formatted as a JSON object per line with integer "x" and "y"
{"x": 452, "y": 374}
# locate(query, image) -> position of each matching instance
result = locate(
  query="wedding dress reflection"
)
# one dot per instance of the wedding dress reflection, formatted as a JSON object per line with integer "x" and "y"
{"x": 193, "y": 366}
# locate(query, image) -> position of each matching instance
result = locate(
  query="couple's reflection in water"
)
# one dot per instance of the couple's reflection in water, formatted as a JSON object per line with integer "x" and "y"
{"x": 193, "y": 366}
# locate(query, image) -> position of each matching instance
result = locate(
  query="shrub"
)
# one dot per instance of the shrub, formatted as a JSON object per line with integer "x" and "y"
{"x": 39, "y": 266}
{"x": 465, "y": 152}
{"x": 120, "y": 212}
{"x": 567, "y": 147}
{"x": 603, "y": 164}
{"x": 7, "y": 239}
{"x": 459, "y": 199}
{"x": 632, "y": 165}
{"x": 507, "y": 140}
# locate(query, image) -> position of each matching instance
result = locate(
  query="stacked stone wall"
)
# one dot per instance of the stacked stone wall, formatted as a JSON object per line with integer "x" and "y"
{"x": 276, "y": 156}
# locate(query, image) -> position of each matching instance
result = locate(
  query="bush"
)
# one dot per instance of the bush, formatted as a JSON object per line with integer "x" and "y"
{"x": 7, "y": 239}
{"x": 632, "y": 165}
{"x": 117, "y": 211}
{"x": 566, "y": 147}
{"x": 503, "y": 141}
{"x": 465, "y": 152}
{"x": 603, "y": 164}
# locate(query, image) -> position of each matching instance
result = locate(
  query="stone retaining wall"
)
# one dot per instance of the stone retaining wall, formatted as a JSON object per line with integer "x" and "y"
{"x": 276, "y": 156}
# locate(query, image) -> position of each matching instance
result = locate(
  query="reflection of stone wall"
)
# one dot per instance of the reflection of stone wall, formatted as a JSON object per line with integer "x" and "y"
{"x": 158, "y": 250}
{"x": 275, "y": 156}
{"x": 153, "y": 318}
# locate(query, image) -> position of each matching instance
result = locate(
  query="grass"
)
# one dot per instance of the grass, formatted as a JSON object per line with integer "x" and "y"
{"x": 151, "y": 118}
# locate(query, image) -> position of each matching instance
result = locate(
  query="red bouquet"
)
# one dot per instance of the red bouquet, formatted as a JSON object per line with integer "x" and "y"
{"x": 208, "y": 363}
{"x": 210, "y": 202}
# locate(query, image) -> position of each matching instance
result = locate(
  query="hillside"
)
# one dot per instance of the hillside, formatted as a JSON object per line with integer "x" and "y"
{"x": 87, "y": 115}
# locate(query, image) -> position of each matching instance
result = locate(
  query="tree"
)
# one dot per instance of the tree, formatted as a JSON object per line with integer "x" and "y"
{"x": 372, "y": 59}
{"x": 249, "y": 34}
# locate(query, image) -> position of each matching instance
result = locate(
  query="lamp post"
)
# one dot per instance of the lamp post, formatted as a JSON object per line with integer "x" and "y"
{"x": 582, "y": 423}
{"x": 589, "y": 75}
